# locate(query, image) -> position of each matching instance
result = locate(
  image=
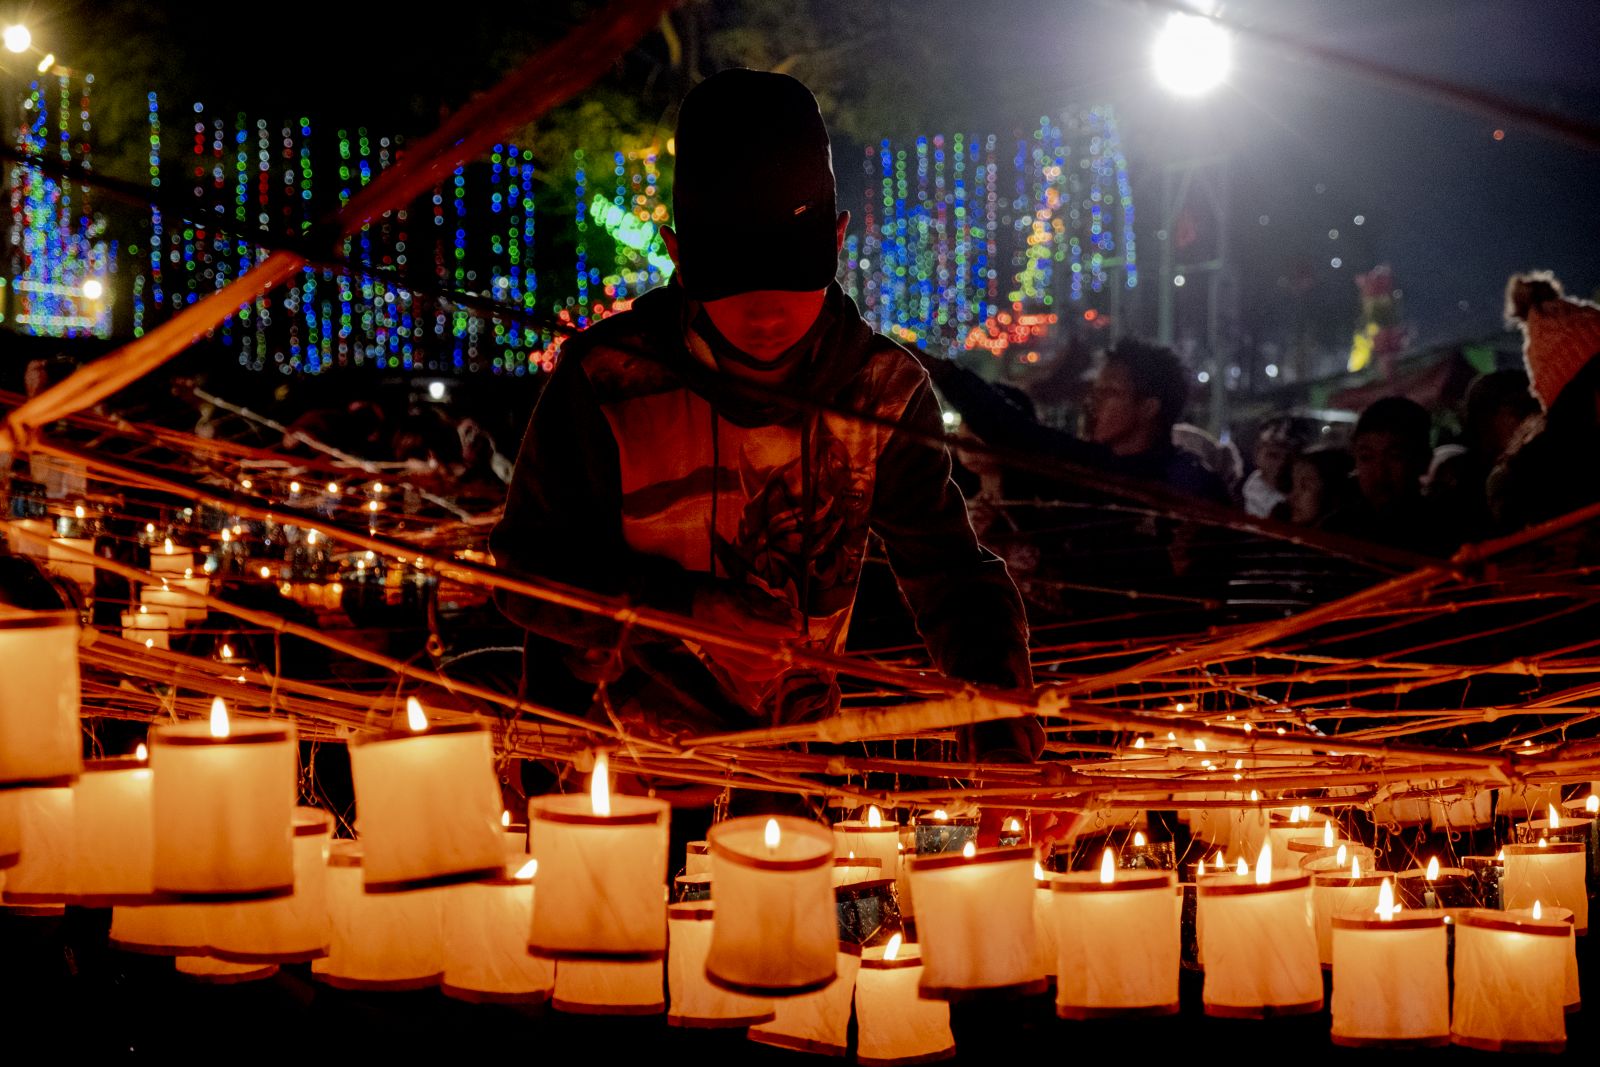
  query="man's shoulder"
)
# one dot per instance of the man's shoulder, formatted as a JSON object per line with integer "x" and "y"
{"x": 623, "y": 355}
{"x": 888, "y": 371}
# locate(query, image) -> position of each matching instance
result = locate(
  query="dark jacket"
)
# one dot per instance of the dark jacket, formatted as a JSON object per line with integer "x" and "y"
{"x": 646, "y": 475}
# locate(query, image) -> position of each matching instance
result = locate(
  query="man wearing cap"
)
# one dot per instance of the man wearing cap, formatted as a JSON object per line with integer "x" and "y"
{"x": 700, "y": 453}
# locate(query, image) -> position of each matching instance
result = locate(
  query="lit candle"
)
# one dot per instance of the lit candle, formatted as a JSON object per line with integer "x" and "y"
{"x": 223, "y": 803}
{"x": 1337, "y": 859}
{"x": 609, "y": 987}
{"x": 192, "y": 588}
{"x": 696, "y": 1002}
{"x": 1118, "y": 943}
{"x": 1352, "y": 893}
{"x": 428, "y": 803}
{"x": 1258, "y": 944}
{"x": 64, "y": 555}
{"x": 1044, "y": 918}
{"x": 146, "y": 627}
{"x": 776, "y": 932}
{"x": 1437, "y": 887}
{"x": 112, "y": 835}
{"x": 514, "y": 835}
{"x": 1553, "y": 873}
{"x": 975, "y": 919}
{"x": 174, "y": 603}
{"x": 1572, "y": 1000}
{"x": 485, "y": 961}
{"x": 40, "y": 737}
{"x": 816, "y": 1022}
{"x": 603, "y": 865}
{"x": 1510, "y": 982}
{"x": 697, "y": 858}
{"x": 292, "y": 929}
{"x": 379, "y": 941}
{"x": 939, "y": 833}
{"x": 1391, "y": 981}
{"x": 1573, "y": 822}
{"x": 894, "y": 1025}
{"x": 871, "y": 838}
{"x": 170, "y": 560}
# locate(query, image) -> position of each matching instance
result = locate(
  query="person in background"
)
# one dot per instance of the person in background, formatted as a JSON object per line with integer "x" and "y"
{"x": 1552, "y": 468}
{"x": 1320, "y": 485}
{"x": 1498, "y": 404}
{"x": 1219, "y": 457}
{"x": 1392, "y": 450}
{"x": 1266, "y": 491}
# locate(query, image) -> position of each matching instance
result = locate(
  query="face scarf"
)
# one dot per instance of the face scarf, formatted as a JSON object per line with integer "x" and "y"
{"x": 780, "y": 368}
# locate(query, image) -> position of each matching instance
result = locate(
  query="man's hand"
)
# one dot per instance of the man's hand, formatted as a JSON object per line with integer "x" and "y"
{"x": 749, "y": 612}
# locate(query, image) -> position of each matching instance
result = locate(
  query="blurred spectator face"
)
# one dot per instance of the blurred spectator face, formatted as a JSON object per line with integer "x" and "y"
{"x": 1272, "y": 459}
{"x": 1503, "y": 429}
{"x": 766, "y": 323}
{"x": 1387, "y": 469}
{"x": 1120, "y": 418}
{"x": 35, "y": 377}
{"x": 1310, "y": 498}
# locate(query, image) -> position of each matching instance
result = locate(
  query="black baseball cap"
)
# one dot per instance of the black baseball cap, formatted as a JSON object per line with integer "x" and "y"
{"x": 753, "y": 198}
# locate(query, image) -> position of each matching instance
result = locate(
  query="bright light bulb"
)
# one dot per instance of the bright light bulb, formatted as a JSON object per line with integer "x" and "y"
{"x": 436, "y": 390}
{"x": 294, "y": 487}
{"x": 333, "y": 487}
{"x": 771, "y": 835}
{"x": 599, "y": 787}
{"x": 78, "y": 511}
{"x": 1108, "y": 867}
{"x": 969, "y": 850}
{"x": 414, "y": 715}
{"x": 1433, "y": 868}
{"x": 219, "y": 718}
{"x": 93, "y": 289}
{"x": 1264, "y": 865}
{"x": 266, "y": 572}
{"x": 46, "y": 63}
{"x": 1192, "y": 54}
{"x": 892, "y": 949}
{"x": 874, "y": 817}
{"x": 17, "y": 38}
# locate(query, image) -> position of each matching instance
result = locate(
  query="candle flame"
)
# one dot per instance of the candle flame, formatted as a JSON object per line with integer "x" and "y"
{"x": 1108, "y": 867}
{"x": 1294, "y": 814}
{"x": 1592, "y": 805}
{"x": 168, "y": 546}
{"x": 226, "y": 537}
{"x": 227, "y": 650}
{"x": 219, "y": 718}
{"x": 1138, "y": 742}
{"x": 772, "y": 834}
{"x": 333, "y": 487}
{"x": 527, "y": 871}
{"x": 1264, "y": 865}
{"x": 1200, "y": 869}
{"x": 149, "y": 642}
{"x": 1327, "y": 834}
{"x": 311, "y": 538}
{"x": 1199, "y": 744}
{"x": 874, "y": 817}
{"x": 505, "y": 817}
{"x": 266, "y": 572}
{"x": 1242, "y": 868}
{"x": 851, "y": 855}
{"x": 1139, "y": 839}
{"x": 969, "y": 850}
{"x": 78, "y": 511}
{"x": 1538, "y": 911}
{"x": 599, "y": 787}
{"x": 1544, "y": 842}
{"x": 1501, "y": 857}
{"x": 1433, "y": 868}
{"x": 414, "y": 716}
{"x": 1038, "y": 871}
{"x": 1340, "y": 856}
{"x": 1221, "y": 862}
{"x": 141, "y": 753}
{"x": 892, "y": 949}
{"x": 1555, "y": 818}
{"x": 1254, "y": 796}
{"x": 1386, "y": 908}
{"x": 1355, "y": 866}
{"x": 1013, "y": 826}
{"x": 940, "y": 815}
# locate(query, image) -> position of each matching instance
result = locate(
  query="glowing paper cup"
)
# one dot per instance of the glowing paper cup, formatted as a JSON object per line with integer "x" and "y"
{"x": 1118, "y": 944}
{"x": 379, "y": 941}
{"x": 816, "y": 1022}
{"x": 602, "y": 987}
{"x": 46, "y": 872}
{"x": 696, "y": 1002}
{"x": 1258, "y": 946}
{"x": 292, "y": 929}
{"x": 895, "y": 1026}
{"x": 1552, "y": 874}
{"x": 113, "y": 836}
{"x": 777, "y": 932}
{"x": 485, "y": 960}
{"x": 1391, "y": 983}
{"x": 1510, "y": 983}
{"x": 40, "y": 739}
{"x": 975, "y": 920}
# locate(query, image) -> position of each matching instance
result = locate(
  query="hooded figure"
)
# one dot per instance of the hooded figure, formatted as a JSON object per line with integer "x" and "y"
{"x": 697, "y": 454}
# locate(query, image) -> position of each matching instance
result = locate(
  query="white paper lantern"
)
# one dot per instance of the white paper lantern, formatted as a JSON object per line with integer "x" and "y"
{"x": 609, "y": 987}
{"x": 1119, "y": 944}
{"x": 169, "y": 559}
{"x": 428, "y": 807}
{"x": 602, "y": 879}
{"x": 222, "y": 972}
{"x": 1334, "y": 860}
{"x": 1552, "y": 874}
{"x": 113, "y": 835}
{"x": 177, "y": 604}
{"x": 28, "y": 537}
{"x": 697, "y": 858}
{"x": 379, "y": 941}
{"x": 160, "y": 929}
{"x": 777, "y": 931}
{"x": 224, "y": 808}
{"x": 870, "y": 839}
{"x": 894, "y": 1025}
{"x": 1259, "y": 947}
{"x": 1573, "y": 997}
{"x": 485, "y": 958}
{"x": 1391, "y": 982}
{"x": 63, "y": 555}
{"x": 292, "y": 929}
{"x": 146, "y": 625}
{"x": 10, "y": 828}
{"x": 1510, "y": 983}
{"x": 45, "y": 872}
{"x": 1401, "y": 811}
{"x": 1335, "y": 895}
{"x": 1044, "y": 920}
{"x": 696, "y": 1002}
{"x": 851, "y": 872}
{"x": 975, "y": 921}
{"x": 817, "y": 1022}
{"x": 40, "y": 740}
{"x": 1462, "y": 814}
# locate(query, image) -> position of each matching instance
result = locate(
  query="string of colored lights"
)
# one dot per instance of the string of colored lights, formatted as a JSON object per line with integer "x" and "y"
{"x": 61, "y": 265}
{"x": 944, "y": 260}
